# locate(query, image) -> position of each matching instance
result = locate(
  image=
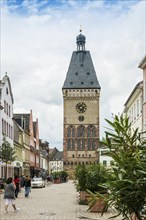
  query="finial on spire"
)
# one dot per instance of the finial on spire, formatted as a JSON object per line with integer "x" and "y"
{"x": 80, "y": 28}
{"x": 6, "y": 73}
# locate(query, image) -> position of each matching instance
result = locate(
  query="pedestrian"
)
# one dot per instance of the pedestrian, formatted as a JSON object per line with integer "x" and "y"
{"x": 17, "y": 184}
{"x": 22, "y": 181}
{"x": 27, "y": 185}
{"x": 9, "y": 194}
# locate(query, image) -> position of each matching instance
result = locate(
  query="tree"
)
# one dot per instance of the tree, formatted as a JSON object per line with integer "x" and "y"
{"x": 128, "y": 183}
{"x": 7, "y": 154}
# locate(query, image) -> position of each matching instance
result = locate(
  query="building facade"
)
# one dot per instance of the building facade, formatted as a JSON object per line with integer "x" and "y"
{"x": 81, "y": 96}
{"x": 22, "y": 149}
{"x": 133, "y": 107}
{"x": 55, "y": 161}
{"x": 28, "y": 125}
{"x": 6, "y": 120}
{"x": 142, "y": 65}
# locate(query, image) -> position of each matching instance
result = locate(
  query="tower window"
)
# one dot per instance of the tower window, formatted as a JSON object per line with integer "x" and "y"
{"x": 88, "y": 73}
{"x": 71, "y": 83}
{"x": 92, "y": 83}
{"x": 82, "y": 83}
{"x": 81, "y": 64}
{"x": 76, "y": 73}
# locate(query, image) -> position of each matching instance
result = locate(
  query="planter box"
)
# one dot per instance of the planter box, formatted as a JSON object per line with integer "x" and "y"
{"x": 99, "y": 205}
{"x": 57, "y": 181}
{"x": 83, "y": 198}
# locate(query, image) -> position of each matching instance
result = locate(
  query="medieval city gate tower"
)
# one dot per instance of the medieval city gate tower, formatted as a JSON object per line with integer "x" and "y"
{"x": 81, "y": 95}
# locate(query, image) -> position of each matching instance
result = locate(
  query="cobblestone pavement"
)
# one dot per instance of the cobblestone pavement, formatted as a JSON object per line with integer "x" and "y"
{"x": 55, "y": 202}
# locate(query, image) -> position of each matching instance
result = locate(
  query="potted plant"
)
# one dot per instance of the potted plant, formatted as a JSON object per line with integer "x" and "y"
{"x": 128, "y": 183}
{"x": 63, "y": 176}
{"x": 96, "y": 177}
{"x": 80, "y": 182}
{"x": 88, "y": 180}
{"x": 56, "y": 177}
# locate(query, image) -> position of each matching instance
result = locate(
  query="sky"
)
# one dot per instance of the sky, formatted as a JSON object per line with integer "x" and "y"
{"x": 37, "y": 41}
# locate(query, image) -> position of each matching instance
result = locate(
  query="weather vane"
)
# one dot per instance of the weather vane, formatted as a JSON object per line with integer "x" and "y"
{"x": 80, "y": 28}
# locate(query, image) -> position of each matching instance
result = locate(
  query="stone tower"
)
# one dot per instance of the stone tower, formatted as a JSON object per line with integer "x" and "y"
{"x": 81, "y": 94}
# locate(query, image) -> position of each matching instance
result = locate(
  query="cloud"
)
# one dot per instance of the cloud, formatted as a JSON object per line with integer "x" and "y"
{"x": 37, "y": 43}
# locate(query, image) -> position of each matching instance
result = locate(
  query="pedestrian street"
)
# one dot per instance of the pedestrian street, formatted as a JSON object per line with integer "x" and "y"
{"x": 54, "y": 202}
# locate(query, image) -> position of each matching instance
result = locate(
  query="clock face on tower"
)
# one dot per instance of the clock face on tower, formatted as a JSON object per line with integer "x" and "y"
{"x": 81, "y": 107}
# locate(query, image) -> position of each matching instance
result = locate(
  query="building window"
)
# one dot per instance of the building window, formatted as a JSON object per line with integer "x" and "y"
{"x": 132, "y": 114}
{"x": 81, "y": 144}
{"x": 134, "y": 111}
{"x": 141, "y": 104}
{"x": 7, "y": 91}
{"x": 81, "y": 131}
{"x": 145, "y": 91}
{"x": 91, "y": 132}
{"x": 137, "y": 108}
{"x": 5, "y": 106}
{"x": 104, "y": 162}
{"x": 70, "y": 132}
{"x": 91, "y": 144}
{"x": 9, "y": 111}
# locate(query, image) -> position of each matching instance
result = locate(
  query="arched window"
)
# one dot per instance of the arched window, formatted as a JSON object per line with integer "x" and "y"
{"x": 70, "y": 132}
{"x": 81, "y": 131}
{"x": 71, "y": 135}
{"x": 91, "y": 131}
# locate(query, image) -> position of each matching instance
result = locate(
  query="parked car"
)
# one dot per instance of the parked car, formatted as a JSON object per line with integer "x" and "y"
{"x": 38, "y": 182}
{"x": 2, "y": 183}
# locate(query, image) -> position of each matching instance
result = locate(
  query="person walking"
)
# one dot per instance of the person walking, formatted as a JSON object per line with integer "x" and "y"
{"x": 17, "y": 184}
{"x": 9, "y": 194}
{"x": 27, "y": 185}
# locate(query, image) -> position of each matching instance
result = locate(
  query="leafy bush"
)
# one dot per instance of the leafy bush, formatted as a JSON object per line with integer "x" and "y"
{"x": 128, "y": 183}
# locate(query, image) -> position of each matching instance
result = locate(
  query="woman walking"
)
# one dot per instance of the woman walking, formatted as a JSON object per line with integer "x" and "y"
{"x": 9, "y": 194}
{"x": 27, "y": 185}
{"x": 17, "y": 184}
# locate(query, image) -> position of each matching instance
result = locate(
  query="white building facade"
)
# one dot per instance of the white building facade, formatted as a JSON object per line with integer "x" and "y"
{"x": 6, "y": 119}
{"x": 142, "y": 65}
{"x": 133, "y": 107}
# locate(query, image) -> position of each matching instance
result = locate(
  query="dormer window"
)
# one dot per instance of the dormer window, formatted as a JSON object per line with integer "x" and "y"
{"x": 92, "y": 83}
{"x": 76, "y": 73}
{"x": 88, "y": 73}
{"x": 71, "y": 83}
{"x": 82, "y": 83}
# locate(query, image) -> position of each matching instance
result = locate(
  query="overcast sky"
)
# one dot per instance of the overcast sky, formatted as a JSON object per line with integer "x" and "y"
{"x": 37, "y": 41}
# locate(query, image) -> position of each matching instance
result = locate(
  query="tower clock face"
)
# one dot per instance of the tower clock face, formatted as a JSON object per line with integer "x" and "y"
{"x": 81, "y": 107}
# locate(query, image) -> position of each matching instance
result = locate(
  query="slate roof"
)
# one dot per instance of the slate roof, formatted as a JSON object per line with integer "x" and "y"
{"x": 81, "y": 73}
